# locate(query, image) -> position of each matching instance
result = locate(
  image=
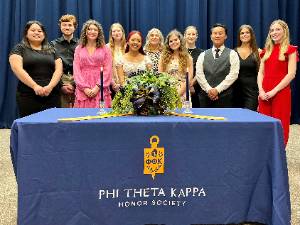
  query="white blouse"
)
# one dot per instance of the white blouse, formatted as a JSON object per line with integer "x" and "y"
{"x": 133, "y": 68}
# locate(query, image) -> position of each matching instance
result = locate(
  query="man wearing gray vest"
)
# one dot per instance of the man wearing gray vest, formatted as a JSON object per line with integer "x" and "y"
{"x": 216, "y": 70}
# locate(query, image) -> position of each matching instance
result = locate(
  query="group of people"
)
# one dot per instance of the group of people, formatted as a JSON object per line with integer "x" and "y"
{"x": 66, "y": 71}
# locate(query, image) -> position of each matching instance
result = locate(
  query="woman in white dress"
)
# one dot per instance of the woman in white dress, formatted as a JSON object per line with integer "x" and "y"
{"x": 134, "y": 61}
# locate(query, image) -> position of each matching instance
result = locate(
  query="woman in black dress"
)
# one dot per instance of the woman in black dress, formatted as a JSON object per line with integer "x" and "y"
{"x": 38, "y": 69}
{"x": 245, "y": 87}
{"x": 191, "y": 36}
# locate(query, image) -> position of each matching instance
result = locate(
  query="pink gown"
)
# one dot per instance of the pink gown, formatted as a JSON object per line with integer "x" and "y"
{"x": 87, "y": 75}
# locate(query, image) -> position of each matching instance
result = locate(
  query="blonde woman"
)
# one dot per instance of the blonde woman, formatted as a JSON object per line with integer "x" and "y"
{"x": 190, "y": 37}
{"x": 154, "y": 46}
{"x": 277, "y": 70}
{"x": 90, "y": 56}
{"x": 117, "y": 45}
{"x": 176, "y": 60}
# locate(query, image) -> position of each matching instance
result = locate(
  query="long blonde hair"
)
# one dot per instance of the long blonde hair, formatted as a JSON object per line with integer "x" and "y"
{"x": 167, "y": 53}
{"x": 269, "y": 45}
{"x": 111, "y": 41}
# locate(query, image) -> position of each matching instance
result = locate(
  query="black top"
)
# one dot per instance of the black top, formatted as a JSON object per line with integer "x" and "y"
{"x": 245, "y": 87}
{"x": 195, "y": 52}
{"x": 39, "y": 64}
{"x": 248, "y": 67}
{"x": 65, "y": 50}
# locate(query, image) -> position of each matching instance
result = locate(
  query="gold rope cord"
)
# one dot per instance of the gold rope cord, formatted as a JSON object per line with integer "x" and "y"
{"x": 108, "y": 115}
{"x": 196, "y": 116}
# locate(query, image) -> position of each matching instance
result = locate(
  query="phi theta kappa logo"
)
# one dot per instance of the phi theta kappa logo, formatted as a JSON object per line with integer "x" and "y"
{"x": 154, "y": 158}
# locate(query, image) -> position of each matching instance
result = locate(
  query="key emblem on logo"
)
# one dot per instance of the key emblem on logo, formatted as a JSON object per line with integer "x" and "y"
{"x": 154, "y": 158}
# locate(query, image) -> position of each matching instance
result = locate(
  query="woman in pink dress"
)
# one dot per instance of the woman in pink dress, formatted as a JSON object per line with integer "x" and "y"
{"x": 90, "y": 56}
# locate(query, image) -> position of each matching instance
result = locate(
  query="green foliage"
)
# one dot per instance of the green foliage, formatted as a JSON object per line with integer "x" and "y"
{"x": 148, "y": 93}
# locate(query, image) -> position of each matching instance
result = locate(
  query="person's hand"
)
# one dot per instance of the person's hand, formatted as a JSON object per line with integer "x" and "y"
{"x": 116, "y": 87}
{"x": 270, "y": 94}
{"x": 47, "y": 90}
{"x": 39, "y": 90}
{"x": 95, "y": 90}
{"x": 192, "y": 89}
{"x": 67, "y": 89}
{"x": 88, "y": 92}
{"x": 262, "y": 95}
{"x": 214, "y": 98}
{"x": 213, "y": 94}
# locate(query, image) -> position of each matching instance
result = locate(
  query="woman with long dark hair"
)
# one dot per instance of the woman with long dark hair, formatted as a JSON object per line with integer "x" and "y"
{"x": 134, "y": 60}
{"x": 245, "y": 87}
{"x": 38, "y": 69}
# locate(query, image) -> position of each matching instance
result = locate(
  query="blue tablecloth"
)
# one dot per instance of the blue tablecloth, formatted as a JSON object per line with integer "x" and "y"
{"x": 91, "y": 172}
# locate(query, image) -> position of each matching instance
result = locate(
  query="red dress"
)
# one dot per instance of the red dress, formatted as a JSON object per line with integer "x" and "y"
{"x": 280, "y": 105}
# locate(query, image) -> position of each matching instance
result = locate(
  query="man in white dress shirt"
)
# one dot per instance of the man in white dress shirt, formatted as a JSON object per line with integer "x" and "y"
{"x": 216, "y": 70}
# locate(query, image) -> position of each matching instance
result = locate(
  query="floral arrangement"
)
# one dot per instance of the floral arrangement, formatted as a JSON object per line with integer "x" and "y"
{"x": 147, "y": 93}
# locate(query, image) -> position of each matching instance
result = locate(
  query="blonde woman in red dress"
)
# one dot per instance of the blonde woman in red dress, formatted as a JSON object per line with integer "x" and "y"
{"x": 277, "y": 70}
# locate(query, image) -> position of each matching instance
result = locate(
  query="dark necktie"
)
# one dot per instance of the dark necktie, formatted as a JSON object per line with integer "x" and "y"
{"x": 217, "y": 53}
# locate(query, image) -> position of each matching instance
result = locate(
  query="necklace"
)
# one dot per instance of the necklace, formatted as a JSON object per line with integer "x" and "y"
{"x": 190, "y": 50}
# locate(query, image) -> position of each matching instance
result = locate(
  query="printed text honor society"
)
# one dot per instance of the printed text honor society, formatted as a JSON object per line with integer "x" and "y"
{"x": 137, "y": 197}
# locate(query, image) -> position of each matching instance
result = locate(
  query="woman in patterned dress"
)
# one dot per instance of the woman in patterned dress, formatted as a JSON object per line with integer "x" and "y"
{"x": 176, "y": 61}
{"x": 154, "y": 46}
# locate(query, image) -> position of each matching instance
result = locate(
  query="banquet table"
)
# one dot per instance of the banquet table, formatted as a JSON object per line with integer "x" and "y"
{"x": 137, "y": 170}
